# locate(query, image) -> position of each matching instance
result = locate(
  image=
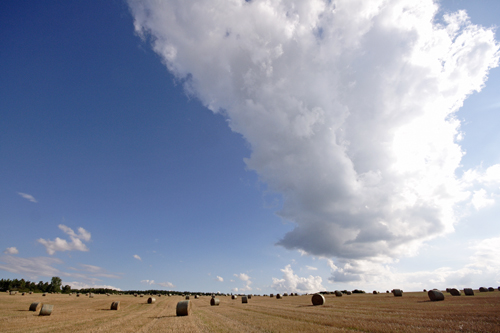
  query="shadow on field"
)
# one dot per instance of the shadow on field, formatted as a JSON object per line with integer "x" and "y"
{"x": 170, "y": 316}
{"x": 23, "y": 310}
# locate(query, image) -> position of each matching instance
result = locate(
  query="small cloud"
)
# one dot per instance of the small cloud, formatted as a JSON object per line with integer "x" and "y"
{"x": 311, "y": 268}
{"x": 218, "y": 278}
{"x": 59, "y": 244}
{"x": 242, "y": 276}
{"x": 27, "y": 196}
{"x": 166, "y": 284}
{"x": 234, "y": 290}
{"x": 150, "y": 282}
{"x": 11, "y": 250}
{"x": 136, "y": 256}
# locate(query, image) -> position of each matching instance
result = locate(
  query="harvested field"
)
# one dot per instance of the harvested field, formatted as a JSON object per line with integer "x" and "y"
{"x": 413, "y": 312}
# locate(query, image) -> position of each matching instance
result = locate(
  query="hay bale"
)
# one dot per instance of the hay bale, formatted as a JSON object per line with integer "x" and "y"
{"x": 483, "y": 289}
{"x": 348, "y": 292}
{"x": 249, "y": 296}
{"x": 278, "y": 296}
{"x": 78, "y": 295}
{"x": 91, "y": 295}
{"x": 271, "y": 295}
{"x": 318, "y": 299}
{"x": 234, "y": 297}
{"x": 115, "y": 305}
{"x": 397, "y": 292}
{"x": 12, "y": 292}
{"x": 435, "y": 295}
{"x": 35, "y": 306}
{"x": 425, "y": 290}
{"x": 46, "y": 310}
{"x": 338, "y": 293}
{"x": 151, "y": 300}
{"x": 32, "y": 292}
{"x": 468, "y": 292}
{"x": 214, "y": 301}
{"x": 141, "y": 295}
{"x": 375, "y": 292}
{"x": 491, "y": 289}
{"x": 196, "y": 296}
{"x": 23, "y": 294}
{"x": 455, "y": 292}
{"x": 244, "y": 299}
{"x": 183, "y": 308}
{"x": 86, "y": 294}
{"x": 187, "y": 296}
{"x": 44, "y": 294}
{"x": 285, "y": 294}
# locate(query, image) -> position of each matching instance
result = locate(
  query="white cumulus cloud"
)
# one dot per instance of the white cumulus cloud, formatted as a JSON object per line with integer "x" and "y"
{"x": 136, "y": 256}
{"x": 348, "y": 106}
{"x": 60, "y": 244}
{"x": 218, "y": 278}
{"x": 11, "y": 250}
{"x": 293, "y": 283}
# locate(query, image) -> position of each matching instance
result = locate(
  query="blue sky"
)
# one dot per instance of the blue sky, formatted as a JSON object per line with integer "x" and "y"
{"x": 180, "y": 176}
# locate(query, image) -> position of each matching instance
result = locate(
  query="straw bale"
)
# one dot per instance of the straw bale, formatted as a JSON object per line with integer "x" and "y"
{"x": 435, "y": 295}
{"x": 318, "y": 299}
{"x": 46, "y": 310}
{"x": 183, "y": 308}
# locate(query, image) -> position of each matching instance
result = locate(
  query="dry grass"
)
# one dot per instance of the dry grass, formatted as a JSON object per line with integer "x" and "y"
{"x": 413, "y": 312}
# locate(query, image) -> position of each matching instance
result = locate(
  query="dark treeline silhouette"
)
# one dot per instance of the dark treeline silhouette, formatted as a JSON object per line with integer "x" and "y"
{"x": 56, "y": 286}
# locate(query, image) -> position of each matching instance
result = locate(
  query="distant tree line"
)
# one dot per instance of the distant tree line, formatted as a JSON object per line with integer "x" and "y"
{"x": 54, "y": 286}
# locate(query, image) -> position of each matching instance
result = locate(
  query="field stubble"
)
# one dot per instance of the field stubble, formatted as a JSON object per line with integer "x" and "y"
{"x": 360, "y": 312}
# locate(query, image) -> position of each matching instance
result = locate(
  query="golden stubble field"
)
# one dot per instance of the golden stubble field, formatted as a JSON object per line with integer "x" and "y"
{"x": 358, "y": 312}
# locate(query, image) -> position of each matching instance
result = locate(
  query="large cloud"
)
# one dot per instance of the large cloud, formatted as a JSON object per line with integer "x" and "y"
{"x": 348, "y": 107}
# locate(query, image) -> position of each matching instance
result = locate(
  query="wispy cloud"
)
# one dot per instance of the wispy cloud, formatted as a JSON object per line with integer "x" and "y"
{"x": 27, "y": 196}
{"x": 136, "y": 256}
{"x": 59, "y": 244}
{"x": 311, "y": 268}
{"x": 161, "y": 284}
{"x": 11, "y": 250}
{"x": 218, "y": 278}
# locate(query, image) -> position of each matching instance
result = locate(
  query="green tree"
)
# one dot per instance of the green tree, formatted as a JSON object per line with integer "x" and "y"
{"x": 55, "y": 284}
{"x": 66, "y": 289}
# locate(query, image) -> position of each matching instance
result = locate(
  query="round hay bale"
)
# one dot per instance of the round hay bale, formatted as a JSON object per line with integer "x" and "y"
{"x": 249, "y": 296}
{"x": 35, "y": 306}
{"x": 278, "y": 296}
{"x": 91, "y": 295}
{"x": 397, "y": 292}
{"x": 491, "y": 289}
{"x": 234, "y": 297}
{"x": 44, "y": 294}
{"x": 271, "y": 295}
{"x": 46, "y": 310}
{"x": 141, "y": 295}
{"x": 86, "y": 294}
{"x": 375, "y": 292}
{"x": 244, "y": 299}
{"x": 78, "y": 295}
{"x": 187, "y": 296}
{"x": 196, "y": 296}
{"x": 285, "y": 294}
{"x": 151, "y": 300}
{"x": 214, "y": 301}
{"x": 468, "y": 292}
{"x": 338, "y": 293}
{"x": 318, "y": 299}
{"x": 348, "y": 292}
{"x": 425, "y": 290}
{"x": 23, "y": 294}
{"x": 435, "y": 295}
{"x": 183, "y": 308}
{"x": 483, "y": 289}
{"x": 32, "y": 292}
{"x": 455, "y": 292}
{"x": 115, "y": 305}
